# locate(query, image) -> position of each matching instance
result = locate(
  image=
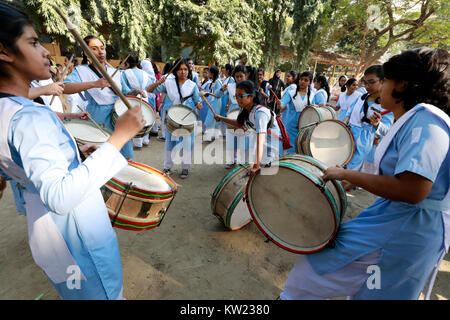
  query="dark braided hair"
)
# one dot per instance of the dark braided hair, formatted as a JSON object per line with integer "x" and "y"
{"x": 427, "y": 73}
{"x": 308, "y": 89}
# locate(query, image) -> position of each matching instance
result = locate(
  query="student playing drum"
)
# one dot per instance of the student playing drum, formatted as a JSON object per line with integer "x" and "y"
{"x": 404, "y": 232}
{"x": 68, "y": 226}
{"x": 179, "y": 90}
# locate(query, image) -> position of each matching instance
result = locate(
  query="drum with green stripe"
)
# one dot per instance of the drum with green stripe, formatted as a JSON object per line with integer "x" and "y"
{"x": 137, "y": 198}
{"x": 227, "y": 199}
{"x": 295, "y": 208}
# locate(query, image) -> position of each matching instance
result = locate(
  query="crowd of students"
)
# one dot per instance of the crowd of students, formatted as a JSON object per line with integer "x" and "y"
{"x": 404, "y": 232}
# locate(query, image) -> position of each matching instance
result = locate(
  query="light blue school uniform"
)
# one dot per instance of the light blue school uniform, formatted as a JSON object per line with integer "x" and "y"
{"x": 191, "y": 102}
{"x": 195, "y": 78}
{"x": 290, "y": 116}
{"x": 320, "y": 97}
{"x": 346, "y": 103}
{"x": 143, "y": 81}
{"x": 259, "y": 118}
{"x": 362, "y": 90}
{"x": 100, "y": 113}
{"x": 203, "y": 112}
{"x": 61, "y": 190}
{"x": 216, "y": 103}
{"x": 225, "y": 96}
{"x": 410, "y": 236}
{"x": 364, "y": 133}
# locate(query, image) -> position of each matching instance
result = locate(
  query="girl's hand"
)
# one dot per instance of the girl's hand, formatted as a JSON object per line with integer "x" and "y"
{"x": 224, "y": 87}
{"x": 2, "y": 185}
{"x": 217, "y": 117}
{"x": 137, "y": 92}
{"x": 254, "y": 170}
{"x": 375, "y": 119}
{"x": 54, "y": 89}
{"x": 80, "y": 115}
{"x": 101, "y": 83}
{"x": 334, "y": 173}
{"x": 88, "y": 148}
{"x": 199, "y": 106}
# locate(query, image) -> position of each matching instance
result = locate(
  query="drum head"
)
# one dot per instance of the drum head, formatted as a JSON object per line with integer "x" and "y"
{"x": 309, "y": 116}
{"x": 291, "y": 209}
{"x": 178, "y": 112}
{"x": 332, "y": 143}
{"x": 142, "y": 179}
{"x": 240, "y": 217}
{"x": 86, "y": 132}
{"x": 147, "y": 111}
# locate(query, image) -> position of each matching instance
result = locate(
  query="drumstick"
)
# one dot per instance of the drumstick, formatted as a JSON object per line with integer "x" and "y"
{"x": 181, "y": 58}
{"x": 189, "y": 113}
{"x": 61, "y": 77}
{"x": 210, "y": 108}
{"x": 95, "y": 123}
{"x": 118, "y": 68}
{"x": 93, "y": 58}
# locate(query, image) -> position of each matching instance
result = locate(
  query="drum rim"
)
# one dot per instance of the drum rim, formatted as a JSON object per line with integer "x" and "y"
{"x": 316, "y": 249}
{"x": 136, "y": 226}
{"x": 114, "y": 183}
{"x": 217, "y": 191}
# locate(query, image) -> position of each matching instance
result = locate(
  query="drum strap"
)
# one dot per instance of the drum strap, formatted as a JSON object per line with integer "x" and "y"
{"x": 127, "y": 190}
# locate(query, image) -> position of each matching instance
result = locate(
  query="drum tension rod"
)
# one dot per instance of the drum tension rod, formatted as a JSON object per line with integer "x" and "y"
{"x": 268, "y": 239}
{"x": 128, "y": 187}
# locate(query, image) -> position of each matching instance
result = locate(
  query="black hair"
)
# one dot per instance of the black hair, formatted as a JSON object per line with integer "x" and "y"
{"x": 215, "y": 75}
{"x": 249, "y": 88}
{"x": 175, "y": 70}
{"x": 293, "y": 74}
{"x": 133, "y": 60}
{"x": 167, "y": 67}
{"x": 427, "y": 73}
{"x": 13, "y": 23}
{"x": 87, "y": 39}
{"x": 376, "y": 69}
{"x": 252, "y": 74}
{"x": 155, "y": 67}
{"x": 205, "y": 79}
{"x": 323, "y": 84}
{"x": 240, "y": 68}
{"x": 348, "y": 84}
{"x": 308, "y": 89}
{"x": 229, "y": 69}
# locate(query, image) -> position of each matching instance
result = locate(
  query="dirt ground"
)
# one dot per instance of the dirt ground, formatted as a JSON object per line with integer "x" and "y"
{"x": 190, "y": 256}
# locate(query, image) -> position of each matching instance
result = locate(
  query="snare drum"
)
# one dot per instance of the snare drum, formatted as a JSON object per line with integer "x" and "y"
{"x": 140, "y": 194}
{"x": 227, "y": 200}
{"x": 313, "y": 114}
{"x": 148, "y": 112}
{"x": 295, "y": 208}
{"x": 85, "y": 132}
{"x": 175, "y": 121}
{"x": 233, "y": 115}
{"x": 330, "y": 141}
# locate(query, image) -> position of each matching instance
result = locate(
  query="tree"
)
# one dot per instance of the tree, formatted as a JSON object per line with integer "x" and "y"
{"x": 307, "y": 15}
{"x": 372, "y": 29}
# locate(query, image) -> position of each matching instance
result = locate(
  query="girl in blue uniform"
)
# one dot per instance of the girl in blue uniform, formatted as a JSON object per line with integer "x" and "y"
{"x": 134, "y": 78}
{"x": 87, "y": 79}
{"x": 404, "y": 233}
{"x": 216, "y": 103}
{"x": 70, "y": 235}
{"x": 347, "y": 99}
{"x": 364, "y": 118}
{"x": 236, "y": 146}
{"x": 322, "y": 94}
{"x": 260, "y": 119}
{"x": 179, "y": 90}
{"x": 292, "y": 104}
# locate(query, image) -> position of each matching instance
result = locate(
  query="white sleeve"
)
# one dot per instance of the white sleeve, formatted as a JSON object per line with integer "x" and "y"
{"x": 43, "y": 149}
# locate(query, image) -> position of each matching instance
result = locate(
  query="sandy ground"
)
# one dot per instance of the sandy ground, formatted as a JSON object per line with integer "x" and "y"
{"x": 190, "y": 256}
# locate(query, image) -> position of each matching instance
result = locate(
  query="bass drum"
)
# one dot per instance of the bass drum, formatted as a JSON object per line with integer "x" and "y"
{"x": 227, "y": 200}
{"x": 296, "y": 208}
{"x": 330, "y": 141}
{"x": 314, "y": 114}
